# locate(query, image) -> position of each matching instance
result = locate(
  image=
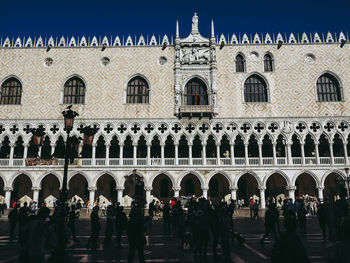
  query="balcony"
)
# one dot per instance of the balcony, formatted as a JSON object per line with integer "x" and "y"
{"x": 208, "y": 162}
{"x": 196, "y": 111}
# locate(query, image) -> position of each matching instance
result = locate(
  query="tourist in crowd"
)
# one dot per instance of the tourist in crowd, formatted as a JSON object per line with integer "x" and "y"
{"x": 166, "y": 218}
{"x": 120, "y": 224}
{"x": 103, "y": 208}
{"x": 95, "y": 229}
{"x": 270, "y": 223}
{"x": 256, "y": 209}
{"x": 135, "y": 231}
{"x": 151, "y": 209}
{"x": 23, "y": 214}
{"x": 71, "y": 222}
{"x": 109, "y": 226}
{"x": 322, "y": 216}
{"x": 13, "y": 220}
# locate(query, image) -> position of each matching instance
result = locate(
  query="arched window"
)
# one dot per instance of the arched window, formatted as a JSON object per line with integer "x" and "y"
{"x": 240, "y": 63}
{"x": 196, "y": 92}
{"x": 137, "y": 91}
{"x": 11, "y": 92}
{"x": 74, "y": 91}
{"x": 268, "y": 63}
{"x": 328, "y": 88}
{"x": 255, "y": 89}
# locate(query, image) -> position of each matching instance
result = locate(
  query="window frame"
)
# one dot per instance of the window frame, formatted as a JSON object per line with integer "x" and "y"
{"x": 69, "y": 79}
{"x": 127, "y": 86}
{"x": 8, "y": 80}
{"x": 266, "y": 87}
{"x": 244, "y": 63}
{"x": 337, "y": 80}
{"x": 272, "y": 61}
{"x": 185, "y": 96}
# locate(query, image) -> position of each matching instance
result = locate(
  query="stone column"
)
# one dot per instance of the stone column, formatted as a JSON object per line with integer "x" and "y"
{"x": 162, "y": 161}
{"x": 176, "y": 154}
{"x": 92, "y": 190}
{"x": 12, "y": 150}
{"x": 190, "y": 153}
{"x": 262, "y": 197}
{"x": 246, "y": 153}
{"x": 204, "y": 149}
{"x": 331, "y": 153}
{"x": 291, "y": 192}
{"x": 234, "y": 193}
{"x": 121, "y": 146}
{"x": 260, "y": 153}
{"x": 53, "y": 146}
{"x": 176, "y": 191}
{"x": 120, "y": 195}
{"x": 317, "y": 154}
{"x": 93, "y": 159}
{"x": 134, "y": 155}
{"x": 25, "y": 152}
{"x": 148, "y": 195}
{"x": 302, "y": 154}
{"x": 107, "y": 153}
{"x": 8, "y": 191}
{"x": 205, "y": 192}
{"x": 218, "y": 154}
{"x": 289, "y": 154}
{"x": 232, "y": 152}
{"x": 346, "y": 157}
{"x": 274, "y": 154}
{"x": 36, "y": 191}
{"x": 320, "y": 192}
{"x": 149, "y": 153}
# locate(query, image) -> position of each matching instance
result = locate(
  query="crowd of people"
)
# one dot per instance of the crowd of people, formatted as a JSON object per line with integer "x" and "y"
{"x": 198, "y": 223}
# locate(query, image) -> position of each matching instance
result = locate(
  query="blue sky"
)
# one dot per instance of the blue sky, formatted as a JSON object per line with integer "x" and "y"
{"x": 108, "y": 17}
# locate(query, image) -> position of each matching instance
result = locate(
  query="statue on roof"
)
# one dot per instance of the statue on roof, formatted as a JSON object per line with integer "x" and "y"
{"x": 195, "y": 23}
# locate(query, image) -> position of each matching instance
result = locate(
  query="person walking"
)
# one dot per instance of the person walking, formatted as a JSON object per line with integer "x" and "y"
{"x": 103, "y": 207}
{"x": 322, "y": 216}
{"x": 151, "y": 209}
{"x": 301, "y": 213}
{"x": 135, "y": 231}
{"x": 166, "y": 218}
{"x": 109, "y": 226}
{"x": 270, "y": 224}
{"x": 256, "y": 210}
{"x": 23, "y": 214}
{"x": 95, "y": 229}
{"x": 71, "y": 222}
{"x": 120, "y": 224}
{"x": 13, "y": 220}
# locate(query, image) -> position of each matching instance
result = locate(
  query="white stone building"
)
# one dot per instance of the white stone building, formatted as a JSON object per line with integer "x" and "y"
{"x": 238, "y": 115}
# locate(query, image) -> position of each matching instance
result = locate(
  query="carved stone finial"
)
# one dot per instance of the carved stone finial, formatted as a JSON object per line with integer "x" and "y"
{"x": 212, "y": 29}
{"x": 177, "y": 29}
{"x": 195, "y": 23}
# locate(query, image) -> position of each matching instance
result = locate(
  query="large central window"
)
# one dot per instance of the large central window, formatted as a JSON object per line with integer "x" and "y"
{"x": 11, "y": 92}
{"x": 137, "y": 91}
{"x": 74, "y": 91}
{"x": 255, "y": 89}
{"x": 196, "y": 92}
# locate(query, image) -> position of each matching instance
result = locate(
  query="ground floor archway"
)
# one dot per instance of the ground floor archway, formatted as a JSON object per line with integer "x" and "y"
{"x": 106, "y": 189}
{"x": 22, "y": 189}
{"x": 162, "y": 188}
{"x": 190, "y": 185}
{"x": 247, "y": 188}
{"x": 218, "y": 187}
{"x": 305, "y": 185}
{"x": 334, "y": 186}
{"x": 50, "y": 187}
{"x": 78, "y": 185}
{"x": 276, "y": 187}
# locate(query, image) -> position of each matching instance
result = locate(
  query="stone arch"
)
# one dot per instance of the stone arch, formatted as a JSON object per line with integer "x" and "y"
{"x": 49, "y": 186}
{"x": 160, "y": 193}
{"x": 140, "y": 76}
{"x": 22, "y": 185}
{"x": 87, "y": 177}
{"x": 248, "y": 186}
{"x": 225, "y": 174}
{"x": 77, "y": 188}
{"x": 333, "y": 182}
{"x": 42, "y": 176}
{"x": 313, "y": 175}
{"x": 267, "y": 86}
{"x": 198, "y": 175}
{"x": 219, "y": 185}
{"x": 276, "y": 183}
{"x": 324, "y": 176}
{"x": 151, "y": 179}
{"x": 248, "y": 172}
{"x": 334, "y": 75}
{"x": 304, "y": 183}
{"x": 13, "y": 178}
{"x": 106, "y": 185}
{"x": 189, "y": 186}
{"x": 96, "y": 178}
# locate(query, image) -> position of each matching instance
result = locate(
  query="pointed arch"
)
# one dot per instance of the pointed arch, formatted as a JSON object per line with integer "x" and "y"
{"x": 196, "y": 92}
{"x": 225, "y": 174}
{"x": 324, "y": 176}
{"x": 252, "y": 173}
{"x": 86, "y": 176}
{"x": 269, "y": 65}
{"x": 329, "y": 87}
{"x": 137, "y": 90}
{"x": 169, "y": 175}
{"x": 312, "y": 174}
{"x": 74, "y": 90}
{"x": 256, "y": 88}
{"x": 11, "y": 91}
{"x": 43, "y": 175}
{"x": 283, "y": 174}
{"x": 13, "y": 178}
{"x": 198, "y": 175}
{"x": 240, "y": 62}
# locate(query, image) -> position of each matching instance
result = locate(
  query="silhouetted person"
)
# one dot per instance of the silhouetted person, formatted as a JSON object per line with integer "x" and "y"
{"x": 71, "y": 222}
{"x": 340, "y": 251}
{"x": 270, "y": 223}
{"x": 256, "y": 210}
{"x": 37, "y": 236}
{"x": 301, "y": 213}
{"x": 135, "y": 230}
{"x": 120, "y": 224}
{"x": 166, "y": 218}
{"x": 23, "y": 214}
{"x": 95, "y": 228}
{"x": 151, "y": 209}
{"x": 13, "y": 220}
{"x": 289, "y": 248}
{"x": 109, "y": 226}
{"x": 322, "y": 216}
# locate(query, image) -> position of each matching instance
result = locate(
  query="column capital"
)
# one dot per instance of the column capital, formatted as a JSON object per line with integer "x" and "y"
{"x": 148, "y": 144}
{"x": 262, "y": 188}
{"x": 12, "y": 144}
{"x": 204, "y": 144}
{"x": 320, "y": 188}
{"x": 232, "y": 143}
{"x": 92, "y": 188}
{"x": 148, "y": 188}
{"x": 291, "y": 188}
{"x": 94, "y": 145}
{"x": 218, "y": 144}
{"x": 176, "y": 188}
{"x": 119, "y": 188}
{"x": 134, "y": 144}
{"x": 36, "y": 188}
{"x": 53, "y": 144}
{"x": 121, "y": 144}
{"x": 25, "y": 144}
{"x": 205, "y": 188}
{"x": 234, "y": 188}
{"x": 8, "y": 189}
{"x": 108, "y": 145}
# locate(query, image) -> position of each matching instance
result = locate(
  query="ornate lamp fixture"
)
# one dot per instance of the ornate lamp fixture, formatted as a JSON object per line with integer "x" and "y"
{"x": 38, "y": 136}
{"x": 69, "y": 116}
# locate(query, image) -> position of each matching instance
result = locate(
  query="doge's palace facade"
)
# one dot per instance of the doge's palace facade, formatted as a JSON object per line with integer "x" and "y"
{"x": 239, "y": 115}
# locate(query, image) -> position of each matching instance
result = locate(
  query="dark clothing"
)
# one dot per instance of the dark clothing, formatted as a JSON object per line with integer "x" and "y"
{"x": 95, "y": 229}
{"x": 13, "y": 219}
{"x": 120, "y": 225}
{"x": 289, "y": 249}
{"x": 166, "y": 219}
{"x": 270, "y": 222}
{"x": 136, "y": 237}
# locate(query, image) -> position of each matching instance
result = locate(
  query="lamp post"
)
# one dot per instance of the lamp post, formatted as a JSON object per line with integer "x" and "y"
{"x": 347, "y": 179}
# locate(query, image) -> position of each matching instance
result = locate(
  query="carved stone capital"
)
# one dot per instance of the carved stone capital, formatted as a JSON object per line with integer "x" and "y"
{"x": 233, "y": 188}
{"x": 8, "y": 189}
{"x": 92, "y": 188}
{"x": 262, "y": 188}
{"x": 36, "y": 188}
{"x": 176, "y": 188}
{"x": 148, "y": 188}
{"x": 120, "y": 188}
{"x": 291, "y": 188}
